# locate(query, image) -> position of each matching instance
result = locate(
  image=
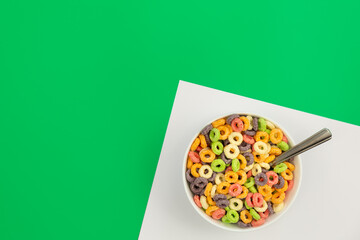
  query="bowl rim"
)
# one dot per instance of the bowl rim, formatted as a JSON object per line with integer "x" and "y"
{"x": 223, "y": 225}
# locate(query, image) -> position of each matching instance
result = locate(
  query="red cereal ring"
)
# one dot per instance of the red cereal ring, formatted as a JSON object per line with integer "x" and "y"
{"x": 229, "y": 168}
{"x": 257, "y": 200}
{"x": 248, "y": 200}
{"x": 198, "y": 148}
{"x": 285, "y": 139}
{"x": 194, "y": 156}
{"x": 272, "y": 177}
{"x": 290, "y": 185}
{"x": 248, "y": 139}
{"x": 265, "y": 214}
{"x": 237, "y": 125}
{"x": 257, "y": 223}
{"x": 197, "y": 201}
{"x": 217, "y": 214}
{"x": 235, "y": 189}
{"x": 249, "y": 174}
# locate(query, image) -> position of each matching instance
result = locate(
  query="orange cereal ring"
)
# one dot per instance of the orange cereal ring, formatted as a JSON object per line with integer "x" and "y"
{"x": 287, "y": 175}
{"x": 246, "y": 123}
{"x": 224, "y": 132}
{"x": 218, "y": 122}
{"x": 195, "y": 168}
{"x": 203, "y": 143}
{"x": 268, "y": 197}
{"x": 189, "y": 163}
{"x": 290, "y": 166}
{"x": 244, "y": 192}
{"x": 258, "y": 157}
{"x": 270, "y": 158}
{"x": 243, "y": 161}
{"x": 264, "y": 190}
{"x": 207, "y": 155}
{"x": 276, "y": 136}
{"x": 208, "y": 189}
{"x": 278, "y": 197}
{"x": 211, "y": 209}
{"x": 245, "y": 216}
{"x": 223, "y": 187}
{"x": 242, "y": 177}
{"x": 229, "y": 127}
{"x": 231, "y": 177}
{"x": 210, "y": 201}
{"x": 275, "y": 150}
{"x": 261, "y": 136}
{"x": 195, "y": 144}
{"x": 284, "y": 188}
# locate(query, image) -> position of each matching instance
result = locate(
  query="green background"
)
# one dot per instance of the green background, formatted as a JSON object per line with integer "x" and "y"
{"x": 86, "y": 90}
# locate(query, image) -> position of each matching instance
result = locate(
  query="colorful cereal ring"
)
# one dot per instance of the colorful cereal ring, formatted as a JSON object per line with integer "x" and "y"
{"x": 283, "y": 146}
{"x": 195, "y": 144}
{"x": 219, "y": 178}
{"x": 203, "y": 202}
{"x": 218, "y": 165}
{"x": 257, "y": 199}
{"x": 211, "y": 209}
{"x": 208, "y": 189}
{"x": 250, "y": 118}
{"x": 278, "y": 197}
{"x": 236, "y": 138}
{"x": 203, "y": 143}
{"x": 290, "y": 166}
{"x": 290, "y": 185}
{"x": 213, "y": 191}
{"x": 223, "y": 188}
{"x": 275, "y": 150}
{"x": 197, "y": 201}
{"x": 259, "y": 157}
{"x": 231, "y": 151}
{"x": 243, "y": 161}
{"x": 231, "y": 177}
{"x": 205, "y": 171}
{"x": 194, "y": 169}
{"x": 246, "y": 123}
{"x": 210, "y": 200}
{"x": 253, "y": 189}
{"x": 264, "y": 214}
{"x": 287, "y": 175}
{"x": 189, "y": 163}
{"x": 257, "y": 223}
{"x": 217, "y": 214}
{"x": 256, "y": 169}
{"x": 270, "y": 158}
{"x": 235, "y": 189}
{"x": 276, "y": 136}
{"x": 272, "y": 177}
{"x": 241, "y": 177}
{"x": 284, "y": 188}
{"x": 262, "y": 124}
{"x": 245, "y": 216}
{"x": 233, "y": 216}
{"x": 248, "y": 139}
{"x": 214, "y": 135}
{"x": 285, "y": 139}
{"x": 236, "y": 204}
{"x": 260, "y": 147}
{"x": 237, "y": 125}
{"x": 244, "y": 193}
{"x": 207, "y": 155}
{"x": 261, "y": 136}
{"x": 278, "y": 207}
{"x": 224, "y": 132}
{"x": 235, "y": 165}
{"x": 264, "y": 190}
{"x": 218, "y": 122}
{"x": 194, "y": 156}
{"x": 280, "y": 168}
{"x": 265, "y": 165}
{"x": 262, "y": 208}
{"x": 248, "y": 200}
{"x": 254, "y": 214}
{"x": 249, "y": 182}
{"x": 217, "y": 147}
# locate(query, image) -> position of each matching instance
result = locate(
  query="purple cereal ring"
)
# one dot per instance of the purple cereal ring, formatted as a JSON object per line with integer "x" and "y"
{"x": 241, "y": 224}
{"x": 270, "y": 207}
{"x": 200, "y": 182}
{"x": 207, "y": 139}
{"x": 280, "y": 183}
{"x": 249, "y": 158}
{"x": 219, "y": 197}
{"x": 258, "y": 178}
{"x": 255, "y": 124}
{"x": 195, "y": 189}
{"x": 250, "y": 132}
{"x": 189, "y": 178}
{"x": 226, "y": 142}
{"x": 205, "y": 131}
{"x": 222, "y": 203}
{"x": 230, "y": 118}
{"x": 202, "y": 192}
{"x": 212, "y": 178}
{"x": 263, "y": 170}
{"x": 244, "y": 146}
{"x": 226, "y": 160}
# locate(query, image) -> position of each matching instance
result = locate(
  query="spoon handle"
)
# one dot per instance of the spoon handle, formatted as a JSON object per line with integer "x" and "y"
{"x": 318, "y": 138}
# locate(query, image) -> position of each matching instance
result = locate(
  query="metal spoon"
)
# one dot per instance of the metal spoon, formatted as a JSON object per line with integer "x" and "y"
{"x": 318, "y": 138}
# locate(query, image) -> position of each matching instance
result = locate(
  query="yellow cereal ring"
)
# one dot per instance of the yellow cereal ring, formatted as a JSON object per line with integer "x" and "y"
{"x": 276, "y": 136}
{"x": 223, "y": 187}
{"x": 268, "y": 197}
{"x": 203, "y": 143}
{"x": 224, "y": 132}
{"x": 229, "y": 127}
{"x": 244, "y": 192}
{"x": 194, "y": 168}
{"x": 270, "y": 158}
{"x": 210, "y": 201}
{"x": 218, "y": 122}
{"x": 287, "y": 174}
{"x": 211, "y": 209}
{"x": 275, "y": 150}
{"x": 278, "y": 197}
{"x": 259, "y": 157}
{"x": 195, "y": 144}
{"x": 245, "y": 216}
{"x": 207, "y": 155}
{"x": 231, "y": 177}
{"x": 208, "y": 189}
{"x": 189, "y": 163}
{"x": 243, "y": 161}
{"x": 284, "y": 188}
{"x": 242, "y": 177}
{"x": 262, "y": 136}
{"x": 264, "y": 190}
{"x": 246, "y": 123}
{"x": 290, "y": 166}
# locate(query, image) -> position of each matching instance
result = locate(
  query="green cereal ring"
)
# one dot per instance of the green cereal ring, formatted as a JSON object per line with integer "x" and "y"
{"x": 253, "y": 189}
{"x": 214, "y": 134}
{"x": 262, "y": 124}
{"x": 254, "y": 214}
{"x": 217, "y": 147}
{"x": 233, "y": 216}
{"x": 268, "y": 131}
{"x": 283, "y": 146}
{"x": 225, "y": 219}
{"x": 227, "y": 208}
{"x": 280, "y": 168}
{"x": 249, "y": 182}
{"x": 218, "y": 165}
{"x": 235, "y": 165}
{"x": 246, "y": 205}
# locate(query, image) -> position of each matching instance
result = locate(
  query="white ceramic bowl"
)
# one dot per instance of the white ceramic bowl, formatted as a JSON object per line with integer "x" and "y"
{"x": 290, "y": 196}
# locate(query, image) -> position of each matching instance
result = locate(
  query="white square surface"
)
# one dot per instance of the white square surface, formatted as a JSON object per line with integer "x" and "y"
{"x": 326, "y": 207}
